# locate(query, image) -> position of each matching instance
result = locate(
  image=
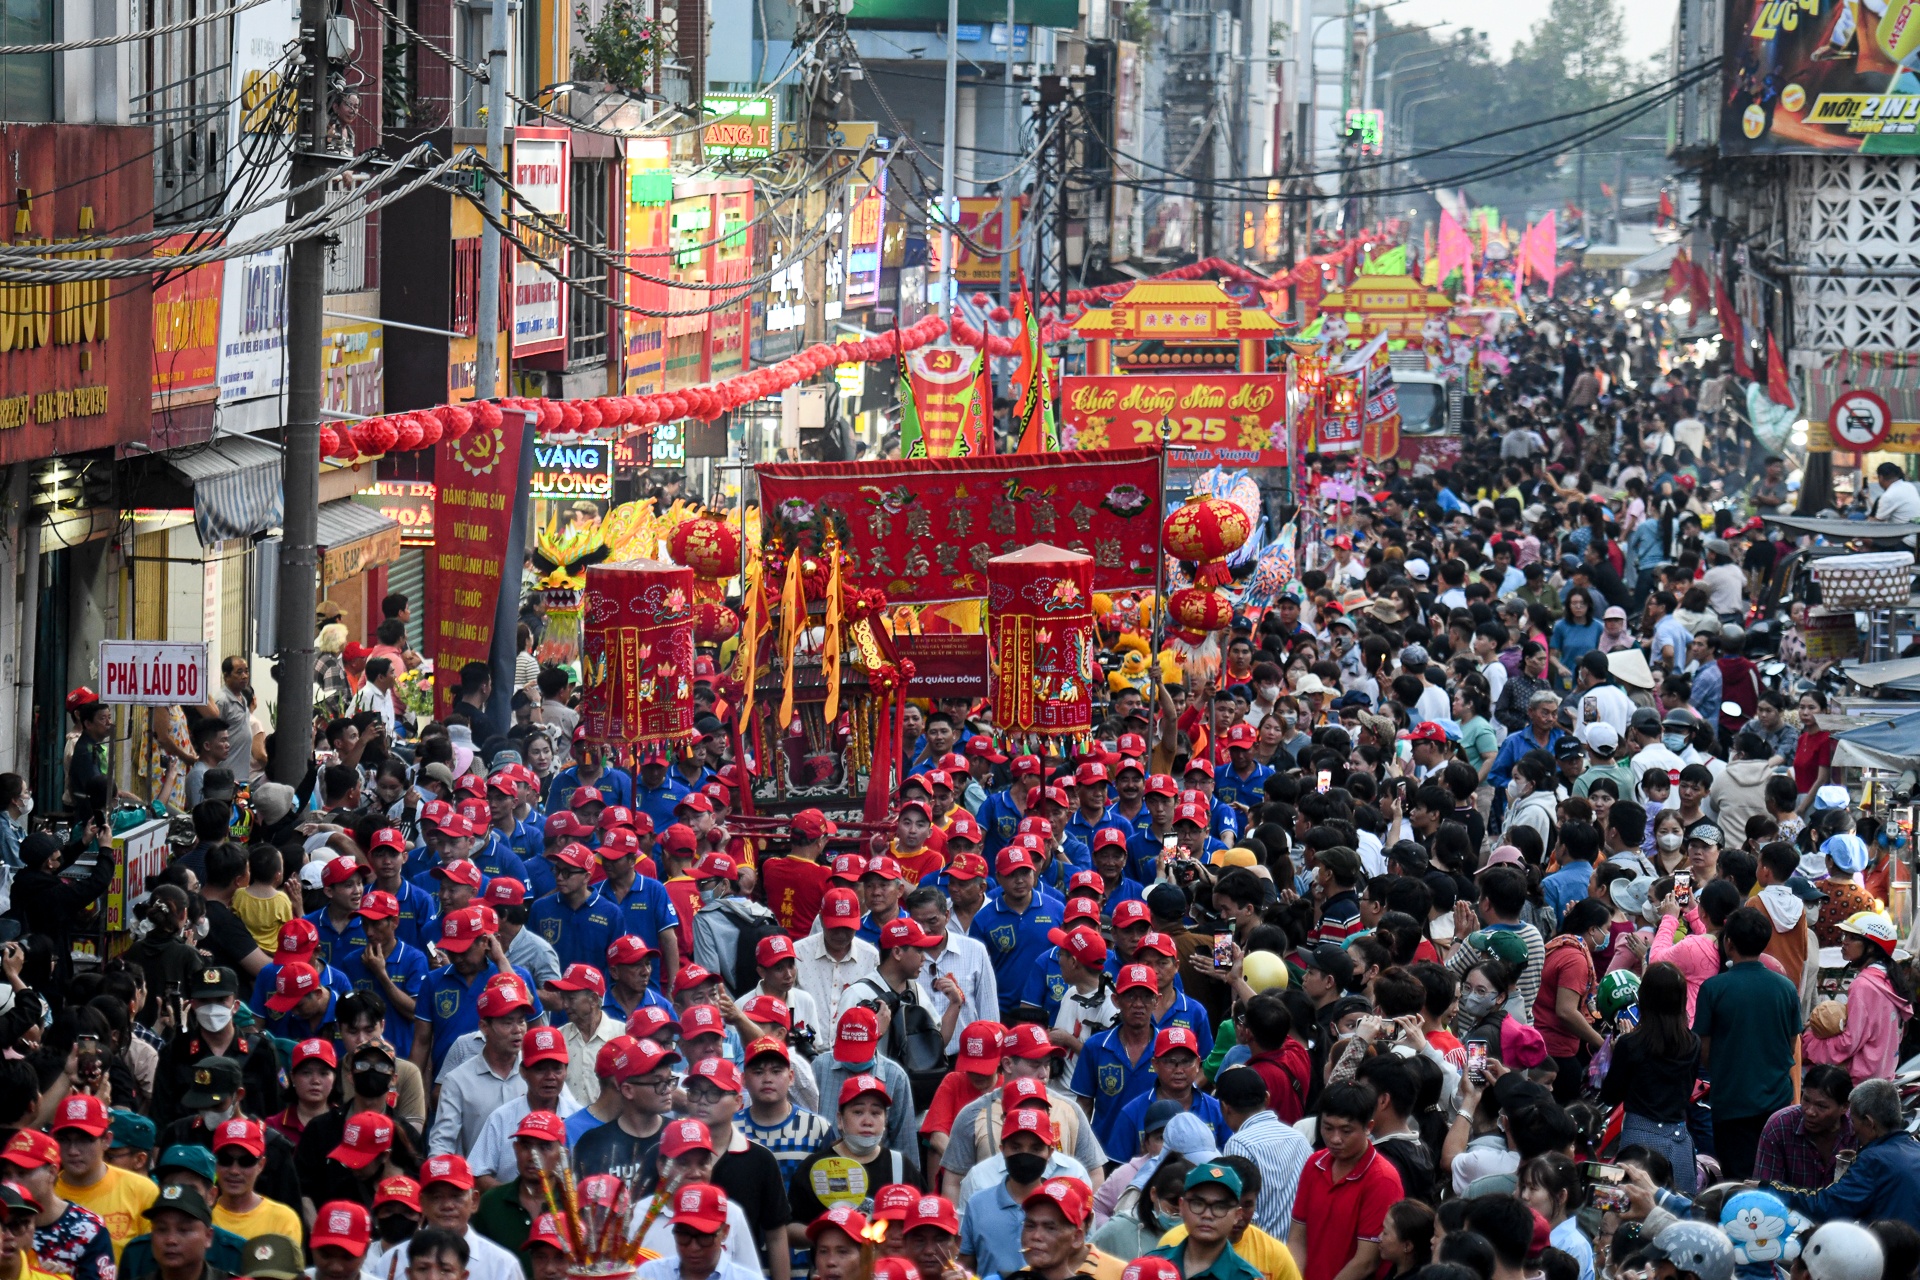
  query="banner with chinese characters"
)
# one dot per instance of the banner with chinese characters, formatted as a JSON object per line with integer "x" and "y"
{"x": 1340, "y": 414}
{"x": 1224, "y": 420}
{"x": 1040, "y": 610}
{"x": 923, "y": 531}
{"x": 478, "y": 477}
{"x": 636, "y": 656}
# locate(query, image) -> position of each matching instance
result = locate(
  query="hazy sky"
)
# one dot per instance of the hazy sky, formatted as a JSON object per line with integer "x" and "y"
{"x": 1649, "y": 22}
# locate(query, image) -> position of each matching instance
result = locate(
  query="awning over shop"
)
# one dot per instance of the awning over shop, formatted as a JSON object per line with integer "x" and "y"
{"x": 1895, "y": 376}
{"x": 1840, "y": 530}
{"x": 353, "y": 536}
{"x": 236, "y": 484}
{"x": 1894, "y": 745}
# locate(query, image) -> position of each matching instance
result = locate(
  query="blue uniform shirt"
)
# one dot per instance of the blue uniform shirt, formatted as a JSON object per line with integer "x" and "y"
{"x": 330, "y": 978}
{"x": 407, "y": 966}
{"x": 659, "y": 802}
{"x": 1078, "y": 828}
{"x": 419, "y": 921}
{"x": 1186, "y": 1012}
{"x": 1126, "y": 1133}
{"x": 1250, "y": 791}
{"x": 650, "y": 999}
{"x": 450, "y": 1005}
{"x": 336, "y": 944}
{"x": 869, "y": 930}
{"x": 1106, "y": 1075}
{"x": 497, "y": 858}
{"x": 578, "y": 935}
{"x": 291, "y": 1026}
{"x": 1127, "y": 890}
{"x": 1015, "y": 940}
{"x": 1000, "y": 818}
{"x": 1045, "y": 988}
{"x": 614, "y": 785}
{"x": 647, "y": 912}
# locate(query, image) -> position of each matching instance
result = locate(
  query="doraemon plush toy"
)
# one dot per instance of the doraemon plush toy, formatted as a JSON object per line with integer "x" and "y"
{"x": 1765, "y": 1233}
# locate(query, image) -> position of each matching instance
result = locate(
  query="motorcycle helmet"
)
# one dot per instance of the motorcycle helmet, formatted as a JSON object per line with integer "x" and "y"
{"x": 1618, "y": 990}
{"x": 1843, "y": 1251}
{"x": 1682, "y": 718}
{"x": 1694, "y": 1248}
{"x": 1873, "y": 927}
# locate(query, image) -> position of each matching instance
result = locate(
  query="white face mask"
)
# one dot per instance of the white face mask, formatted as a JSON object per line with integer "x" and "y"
{"x": 1519, "y": 789}
{"x": 861, "y": 1145}
{"x": 213, "y": 1017}
{"x": 1670, "y": 841}
{"x": 26, "y": 804}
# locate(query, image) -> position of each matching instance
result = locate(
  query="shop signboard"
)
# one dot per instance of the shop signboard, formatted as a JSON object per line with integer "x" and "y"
{"x": 139, "y": 853}
{"x": 353, "y": 367}
{"x": 866, "y": 217}
{"x": 408, "y": 503}
{"x": 1812, "y": 79}
{"x": 153, "y": 673}
{"x": 76, "y": 359}
{"x": 649, "y": 199}
{"x": 980, "y": 221}
{"x": 1220, "y": 420}
{"x": 572, "y": 469}
{"x": 945, "y": 666}
{"x": 253, "y": 298}
{"x": 740, "y": 126}
{"x": 730, "y": 250}
{"x": 540, "y": 158}
{"x": 186, "y": 327}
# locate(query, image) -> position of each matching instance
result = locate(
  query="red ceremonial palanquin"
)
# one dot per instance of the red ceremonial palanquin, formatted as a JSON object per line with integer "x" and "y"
{"x": 636, "y": 653}
{"x": 1040, "y": 615}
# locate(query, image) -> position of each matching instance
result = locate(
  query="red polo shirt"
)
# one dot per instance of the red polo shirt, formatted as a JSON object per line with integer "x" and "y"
{"x": 1340, "y": 1215}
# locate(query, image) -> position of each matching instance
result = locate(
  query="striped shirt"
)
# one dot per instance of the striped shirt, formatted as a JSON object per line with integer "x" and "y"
{"x": 1279, "y": 1152}
{"x": 1465, "y": 956}
{"x": 791, "y": 1141}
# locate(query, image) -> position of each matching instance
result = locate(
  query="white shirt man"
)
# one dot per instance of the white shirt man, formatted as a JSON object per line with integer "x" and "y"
{"x": 469, "y": 1095}
{"x": 827, "y": 978}
{"x": 966, "y": 959}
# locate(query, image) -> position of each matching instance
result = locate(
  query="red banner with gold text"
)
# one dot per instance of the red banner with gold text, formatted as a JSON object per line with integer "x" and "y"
{"x": 940, "y": 376}
{"x": 477, "y": 480}
{"x": 923, "y": 530}
{"x": 1222, "y": 420}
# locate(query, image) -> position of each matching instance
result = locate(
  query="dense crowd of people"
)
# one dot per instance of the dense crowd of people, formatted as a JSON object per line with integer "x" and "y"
{"x": 1479, "y": 911}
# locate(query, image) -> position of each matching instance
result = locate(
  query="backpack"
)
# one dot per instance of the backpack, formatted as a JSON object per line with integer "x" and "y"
{"x": 754, "y": 922}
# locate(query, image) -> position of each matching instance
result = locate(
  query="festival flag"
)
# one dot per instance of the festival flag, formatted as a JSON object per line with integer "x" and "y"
{"x": 1426, "y": 242}
{"x": 975, "y": 433}
{"x": 1733, "y": 335}
{"x": 913, "y": 443}
{"x": 1455, "y": 252}
{"x": 1666, "y": 209}
{"x": 1033, "y": 385}
{"x": 1778, "y": 389}
{"x": 1392, "y": 262}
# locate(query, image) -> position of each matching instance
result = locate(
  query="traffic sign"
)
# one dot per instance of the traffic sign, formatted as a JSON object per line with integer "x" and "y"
{"x": 1859, "y": 420}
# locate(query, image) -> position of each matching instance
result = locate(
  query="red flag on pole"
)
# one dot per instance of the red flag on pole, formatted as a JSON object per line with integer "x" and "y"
{"x": 1733, "y": 336}
{"x": 1666, "y": 209}
{"x": 1778, "y": 390}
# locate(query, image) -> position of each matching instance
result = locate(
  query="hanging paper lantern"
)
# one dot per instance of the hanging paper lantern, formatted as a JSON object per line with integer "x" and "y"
{"x": 375, "y": 436}
{"x": 637, "y": 654}
{"x": 569, "y": 411}
{"x": 709, "y": 547}
{"x": 328, "y": 442}
{"x": 1199, "y": 609}
{"x": 1206, "y": 528}
{"x": 713, "y": 622}
{"x": 430, "y": 429}
{"x": 1042, "y": 666}
{"x": 590, "y": 416}
{"x": 344, "y": 447}
{"x": 406, "y": 433}
{"x": 550, "y": 416}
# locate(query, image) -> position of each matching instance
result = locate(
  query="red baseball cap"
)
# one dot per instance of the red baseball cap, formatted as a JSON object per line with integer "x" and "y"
{"x": 966, "y": 866}
{"x": 716, "y": 866}
{"x": 894, "y": 1201}
{"x": 436, "y": 812}
{"x": 1198, "y": 814}
{"x": 1136, "y": 975}
{"x": 981, "y": 1048}
{"x": 856, "y": 1036}
{"x": 584, "y": 796}
{"x": 1029, "y": 1041}
{"x": 543, "y": 1044}
{"x": 1240, "y": 735}
{"x": 963, "y": 827}
{"x": 1090, "y": 881}
{"x": 1425, "y": 731}
{"x": 339, "y": 871}
{"x": 1082, "y": 943}
{"x": 461, "y": 871}
{"x": 504, "y": 891}
{"x": 389, "y": 838}
{"x": 700, "y": 1205}
{"x": 604, "y": 1059}
{"x": 1131, "y": 912}
{"x": 982, "y": 746}
{"x": 840, "y": 909}
{"x": 451, "y": 1170}
{"x": 921, "y": 805}
{"x": 772, "y": 949}
{"x": 299, "y": 938}
{"x": 1056, "y": 794}
{"x": 399, "y": 1189}
{"x": 883, "y": 866}
{"x": 842, "y": 1217}
{"x": 691, "y": 976}
{"x": 1172, "y": 1038}
{"x": 809, "y": 825}
{"x": 904, "y": 932}
{"x": 629, "y": 949}
{"x": 615, "y": 815}
{"x": 617, "y": 843}
{"x": 295, "y": 982}
{"x": 650, "y": 1020}
{"x": 1011, "y": 859}
{"x": 1160, "y": 942}
{"x": 241, "y": 1132}
{"x": 767, "y": 1045}
{"x": 1034, "y": 825}
{"x": 1068, "y": 1195}
{"x": 847, "y": 866}
{"x": 702, "y": 1020}
{"x": 768, "y": 1010}
{"x": 694, "y": 800}
{"x": 573, "y": 854}
{"x": 1090, "y": 774}
{"x": 684, "y": 1135}
{"x": 1199, "y": 764}
{"x": 1027, "y": 766}
{"x": 1034, "y": 1120}
{"x": 638, "y": 1057}
{"x": 368, "y": 1135}
{"x": 31, "y": 1149}
{"x": 722, "y": 1074}
{"x": 1162, "y": 784}
{"x": 1109, "y": 836}
{"x": 679, "y": 838}
{"x": 581, "y": 977}
{"x": 342, "y": 1224}
{"x": 310, "y": 1050}
{"x": 564, "y": 824}
{"x": 1128, "y": 764}
{"x": 1082, "y": 908}
{"x": 933, "y": 1211}
{"x": 546, "y": 1231}
{"x": 1022, "y": 1092}
{"x": 853, "y": 1086}
{"x": 502, "y": 997}
{"x": 84, "y": 1112}
{"x": 542, "y": 1126}
{"x": 378, "y": 904}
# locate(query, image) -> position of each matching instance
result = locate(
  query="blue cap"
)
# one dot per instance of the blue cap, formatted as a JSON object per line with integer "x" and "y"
{"x": 131, "y": 1131}
{"x": 1832, "y": 796}
{"x": 1847, "y": 851}
{"x": 184, "y": 1155}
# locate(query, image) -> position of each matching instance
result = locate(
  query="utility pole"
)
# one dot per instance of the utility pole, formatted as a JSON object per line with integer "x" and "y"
{"x": 486, "y": 326}
{"x": 1011, "y": 119}
{"x": 300, "y": 456}
{"x": 947, "y": 144}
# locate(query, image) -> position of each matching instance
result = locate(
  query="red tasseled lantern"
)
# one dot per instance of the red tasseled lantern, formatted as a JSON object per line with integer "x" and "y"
{"x": 430, "y": 429}
{"x": 551, "y": 416}
{"x": 455, "y": 421}
{"x": 1204, "y": 529}
{"x": 713, "y": 622}
{"x": 407, "y": 433}
{"x": 1200, "y": 609}
{"x": 590, "y": 415}
{"x": 982, "y": 300}
{"x": 645, "y": 411}
{"x": 570, "y": 418}
{"x": 375, "y": 436}
{"x": 709, "y": 547}
{"x": 344, "y": 448}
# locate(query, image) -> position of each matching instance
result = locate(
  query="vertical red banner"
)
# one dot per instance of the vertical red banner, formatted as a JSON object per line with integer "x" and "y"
{"x": 476, "y": 484}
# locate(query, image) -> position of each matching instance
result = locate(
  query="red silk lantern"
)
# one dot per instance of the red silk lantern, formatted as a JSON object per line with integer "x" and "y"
{"x": 1204, "y": 529}
{"x": 637, "y": 653}
{"x": 709, "y": 547}
{"x": 713, "y": 622}
{"x": 328, "y": 442}
{"x": 344, "y": 447}
{"x": 375, "y": 436}
{"x": 1042, "y": 664}
{"x": 570, "y": 416}
{"x": 1199, "y": 609}
{"x": 551, "y": 417}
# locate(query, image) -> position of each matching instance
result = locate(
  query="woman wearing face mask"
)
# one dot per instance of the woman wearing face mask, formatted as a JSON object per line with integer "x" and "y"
{"x": 1137, "y": 1227}
{"x": 164, "y": 953}
{"x": 1669, "y": 839}
{"x": 1484, "y": 993}
{"x": 1563, "y": 1010}
{"x": 1813, "y": 751}
{"x": 857, "y": 1155}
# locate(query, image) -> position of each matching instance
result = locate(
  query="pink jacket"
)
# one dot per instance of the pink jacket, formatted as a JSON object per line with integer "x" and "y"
{"x": 1697, "y": 955}
{"x": 1869, "y": 1047}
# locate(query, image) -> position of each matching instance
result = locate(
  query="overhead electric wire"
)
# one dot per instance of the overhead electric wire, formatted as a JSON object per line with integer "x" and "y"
{"x": 101, "y": 42}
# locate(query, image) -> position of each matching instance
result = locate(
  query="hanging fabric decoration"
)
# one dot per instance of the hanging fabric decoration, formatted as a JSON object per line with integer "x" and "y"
{"x": 753, "y": 622}
{"x": 830, "y": 651}
{"x": 1040, "y": 607}
{"x": 1033, "y": 386}
{"x": 793, "y": 622}
{"x": 913, "y": 444}
{"x": 637, "y": 654}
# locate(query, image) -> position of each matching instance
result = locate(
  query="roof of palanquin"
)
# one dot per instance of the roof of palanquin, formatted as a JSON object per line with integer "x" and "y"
{"x": 1176, "y": 311}
{"x": 1386, "y": 293}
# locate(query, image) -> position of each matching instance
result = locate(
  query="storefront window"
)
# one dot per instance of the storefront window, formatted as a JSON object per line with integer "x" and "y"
{"x": 26, "y": 81}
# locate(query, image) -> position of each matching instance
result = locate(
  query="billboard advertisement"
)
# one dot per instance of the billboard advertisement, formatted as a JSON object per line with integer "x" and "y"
{"x": 1822, "y": 77}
